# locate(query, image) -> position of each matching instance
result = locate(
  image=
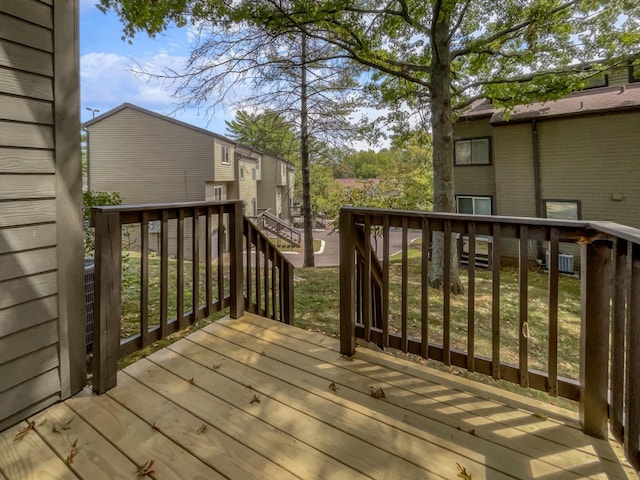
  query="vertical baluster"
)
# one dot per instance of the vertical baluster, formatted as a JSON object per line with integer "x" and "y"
{"x": 405, "y": 284}
{"x": 257, "y": 264}
{"x": 195, "y": 266}
{"x": 249, "y": 262}
{"x": 495, "y": 303}
{"x": 385, "y": 281}
{"x": 446, "y": 295}
{"x": 222, "y": 241}
{"x": 265, "y": 272}
{"x": 617, "y": 338}
{"x": 144, "y": 279}
{"x": 347, "y": 285}
{"x": 207, "y": 256}
{"x": 523, "y": 334}
{"x": 632, "y": 416}
{"x": 366, "y": 280}
{"x": 554, "y": 277}
{"x": 289, "y": 294}
{"x": 180, "y": 269}
{"x": 424, "y": 294}
{"x": 594, "y": 337}
{"x": 471, "y": 299}
{"x": 274, "y": 282}
{"x": 164, "y": 272}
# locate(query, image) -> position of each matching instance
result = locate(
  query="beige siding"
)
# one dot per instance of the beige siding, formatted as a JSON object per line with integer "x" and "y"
{"x": 149, "y": 160}
{"x": 224, "y": 172}
{"x": 248, "y": 186}
{"x": 275, "y": 186}
{"x": 514, "y": 171}
{"x": 594, "y": 159}
{"x": 39, "y": 174}
{"x": 475, "y": 179}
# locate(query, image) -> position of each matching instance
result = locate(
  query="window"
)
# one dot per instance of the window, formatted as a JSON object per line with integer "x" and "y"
{"x": 598, "y": 80}
{"x": 218, "y": 194}
{"x": 562, "y": 209}
{"x": 473, "y": 151}
{"x": 225, "y": 155}
{"x": 253, "y": 174}
{"x": 474, "y": 205}
{"x": 241, "y": 173}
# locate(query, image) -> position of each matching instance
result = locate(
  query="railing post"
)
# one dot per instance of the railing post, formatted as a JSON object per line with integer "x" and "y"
{"x": 107, "y": 306}
{"x": 236, "y": 225}
{"x": 594, "y": 342}
{"x": 347, "y": 285}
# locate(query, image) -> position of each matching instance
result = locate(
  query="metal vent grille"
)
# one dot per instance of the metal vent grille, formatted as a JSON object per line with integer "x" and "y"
{"x": 565, "y": 262}
{"x": 89, "y": 296}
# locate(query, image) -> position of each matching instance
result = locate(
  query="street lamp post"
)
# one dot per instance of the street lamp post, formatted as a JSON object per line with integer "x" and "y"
{"x": 93, "y": 112}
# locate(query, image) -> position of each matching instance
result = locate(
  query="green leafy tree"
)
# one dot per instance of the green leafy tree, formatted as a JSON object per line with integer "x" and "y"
{"x": 436, "y": 57}
{"x": 90, "y": 199}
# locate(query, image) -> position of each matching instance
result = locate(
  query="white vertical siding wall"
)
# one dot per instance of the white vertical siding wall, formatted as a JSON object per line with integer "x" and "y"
{"x": 41, "y": 289}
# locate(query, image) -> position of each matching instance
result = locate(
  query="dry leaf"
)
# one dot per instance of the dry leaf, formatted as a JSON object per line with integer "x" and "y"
{"x": 23, "y": 433}
{"x": 250, "y": 387}
{"x": 332, "y": 386}
{"x": 462, "y": 472}
{"x": 58, "y": 427}
{"x": 379, "y": 393}
{"x": 146, "y": 469}
{"x": 348, "y": 358}
{"x": 472, "y": 431}
{"x": 540, "y": 415}
{"x": 155, "y": 427}
{"x": 216, "y": 366}
{"x": 262, "y": 354}
{"x": 255, "y": 399}
{"x": 202, "y": 429}
{"x": 192, "y": 381}
{"x": 72, "y": 453}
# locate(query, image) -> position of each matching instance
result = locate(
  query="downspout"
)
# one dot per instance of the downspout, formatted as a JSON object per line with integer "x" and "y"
{"x": 536, "y": 184}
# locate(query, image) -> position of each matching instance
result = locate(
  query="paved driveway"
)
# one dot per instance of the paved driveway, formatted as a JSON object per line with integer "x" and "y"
{"x": 329, "y": 256}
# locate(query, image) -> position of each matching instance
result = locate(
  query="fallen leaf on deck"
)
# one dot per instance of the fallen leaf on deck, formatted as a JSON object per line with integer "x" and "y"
{"x": 347, "y": 358}
{"x": 472, "y": 431}
{"x": 249, "y": 386}
{"x": 462, "y": 472}
{"x": 23, "y": 433}
{"x": 58, "y": 427}
{"x": 155, "y": 427}
{"x": 332, "y": 386}
{"x": 72, "y": 453}
{"x": 202, "y": 428}
{"x": 146, "y": 469}
{"x": 255, "y": 399}
{"x": 217, "y": 366}
{"x": 191, "y": 381}
{"x": 540, "y": 415}
{"x": 379, "y": 393}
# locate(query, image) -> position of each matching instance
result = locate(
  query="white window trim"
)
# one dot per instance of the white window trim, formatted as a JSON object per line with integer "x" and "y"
{"x": 225, "y": 153}
{"x": 471, "y": 164}
{"x": 473, "y": 198}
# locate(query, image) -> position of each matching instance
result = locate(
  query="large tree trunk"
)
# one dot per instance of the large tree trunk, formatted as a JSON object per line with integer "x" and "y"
{"x": 309, "y": 260}
{"x": 442, "y": 128}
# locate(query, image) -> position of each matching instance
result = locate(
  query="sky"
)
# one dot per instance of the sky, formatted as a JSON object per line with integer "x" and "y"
{"x": 106, "y": 64}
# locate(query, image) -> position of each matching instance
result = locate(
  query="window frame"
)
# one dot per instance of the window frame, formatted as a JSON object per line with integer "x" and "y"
{"x": 471, "y": 164}
{"x": 562, "y": 200}
{"x": 224, "y": 160}
{"x": 605, "y": 80}
{"x": 241, "y": 173}
{"x": 473, "y": 197}
{"x": 218, "y": 191}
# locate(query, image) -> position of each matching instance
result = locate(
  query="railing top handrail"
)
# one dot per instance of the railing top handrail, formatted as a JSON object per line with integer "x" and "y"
{"x": 159, "y": 206}
{"x": 608, "y": 228}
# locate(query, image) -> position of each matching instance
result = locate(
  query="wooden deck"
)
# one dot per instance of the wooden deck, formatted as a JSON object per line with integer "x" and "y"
{"x": 256, "y": 399}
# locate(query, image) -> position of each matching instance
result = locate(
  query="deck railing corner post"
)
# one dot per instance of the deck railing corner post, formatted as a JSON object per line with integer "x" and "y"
{"x": 347, "y": 284}
{"x": 594, "y": 337}
{"x": 236, "y": 236}
{"x": 107, "y": 304}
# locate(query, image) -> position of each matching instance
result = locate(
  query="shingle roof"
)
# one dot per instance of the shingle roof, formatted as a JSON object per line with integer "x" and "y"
{"x": 597, "y": 100}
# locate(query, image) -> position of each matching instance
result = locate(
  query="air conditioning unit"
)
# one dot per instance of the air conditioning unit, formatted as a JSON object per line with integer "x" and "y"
{"x": 565, "y": 262}
{"x": 89, "y": 297}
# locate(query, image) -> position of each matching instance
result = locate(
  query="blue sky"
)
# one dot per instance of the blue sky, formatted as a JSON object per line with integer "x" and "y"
{"x": 106, "y": 62}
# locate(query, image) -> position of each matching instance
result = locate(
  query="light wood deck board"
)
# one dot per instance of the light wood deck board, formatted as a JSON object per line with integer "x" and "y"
{"x": 300, "y": 428}
{"x": 503, "y": 442}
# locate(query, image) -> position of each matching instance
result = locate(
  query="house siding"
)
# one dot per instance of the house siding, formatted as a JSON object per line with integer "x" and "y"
{"x": 576, "y": 164}
{"x": 224, "y": 172}
{"x": 248, "y": 187}
{"x": 275, "y": 186}
{"x": 41, "y": 292}
{"x": 164, "y": 162}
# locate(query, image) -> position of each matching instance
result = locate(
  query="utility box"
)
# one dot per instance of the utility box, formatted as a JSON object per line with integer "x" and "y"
{"x": 565, "y": 262}
{"x": 89, "y": 296}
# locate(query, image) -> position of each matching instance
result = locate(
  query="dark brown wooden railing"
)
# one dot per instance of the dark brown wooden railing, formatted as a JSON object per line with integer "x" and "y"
{"x": 195, "y": 253}
{"x": 608, "y": 387}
